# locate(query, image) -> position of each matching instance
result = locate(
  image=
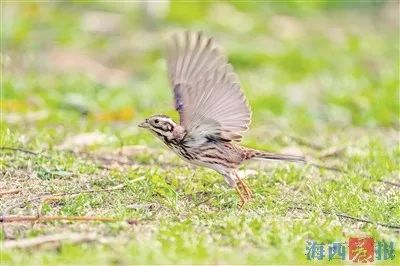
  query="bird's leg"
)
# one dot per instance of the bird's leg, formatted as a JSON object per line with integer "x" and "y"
{"x": 242, "y": 198}
{"x": 245, "y": 187}
{"x": 248, "y": 189}
{"x": 243, "y": 191}
{"x": 241, "y": 188}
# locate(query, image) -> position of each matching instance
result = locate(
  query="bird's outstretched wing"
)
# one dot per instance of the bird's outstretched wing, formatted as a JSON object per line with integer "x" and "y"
{"x": 206, "y": 90}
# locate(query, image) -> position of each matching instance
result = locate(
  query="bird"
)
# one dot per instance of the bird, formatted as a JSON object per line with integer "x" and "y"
{"x": 213, "y": 111}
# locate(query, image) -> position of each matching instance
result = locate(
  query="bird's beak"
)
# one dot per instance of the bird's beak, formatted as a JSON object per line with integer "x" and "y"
{"x": 144, "y": 124}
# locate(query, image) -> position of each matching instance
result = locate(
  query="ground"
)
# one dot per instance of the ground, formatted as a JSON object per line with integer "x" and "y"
{"x": 322, "y": 80}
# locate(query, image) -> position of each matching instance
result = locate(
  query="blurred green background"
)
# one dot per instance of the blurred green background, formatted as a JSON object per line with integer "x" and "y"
{"x": 310, "y": 63}
{"x": 326, "y": 72}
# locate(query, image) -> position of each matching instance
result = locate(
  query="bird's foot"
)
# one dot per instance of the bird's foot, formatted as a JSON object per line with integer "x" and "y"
{"x": 244, "y": 192}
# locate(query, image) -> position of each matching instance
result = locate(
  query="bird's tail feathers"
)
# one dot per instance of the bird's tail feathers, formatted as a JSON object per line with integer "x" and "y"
{"x": 255, "y": 154}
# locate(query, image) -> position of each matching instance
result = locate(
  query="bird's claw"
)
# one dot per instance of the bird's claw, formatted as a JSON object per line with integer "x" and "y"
{"x": 244, "y": 192}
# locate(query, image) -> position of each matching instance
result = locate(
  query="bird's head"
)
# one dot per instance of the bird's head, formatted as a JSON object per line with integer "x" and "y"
{"x": 163, "y": 127}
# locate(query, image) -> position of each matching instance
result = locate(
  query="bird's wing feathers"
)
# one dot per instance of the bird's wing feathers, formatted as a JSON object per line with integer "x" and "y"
{"x": 206, "y": 89}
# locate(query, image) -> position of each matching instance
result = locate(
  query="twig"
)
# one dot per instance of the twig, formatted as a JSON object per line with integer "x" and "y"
{"x": 394, "y": 226}
{"x": 204, "y": 201}
{"x": 306, "y": 143}
{"x": 50, "y": 197}
{"x": 197, "y": 204}
{"x": 20, "y": 150}
{"x": 41, "y": 240}
{"x": 343, "y": 215}
{"x": 16, "y": 218}
{"x": 11, "y": 191}
{"x": 330, "y": 168}
{"x": 332, "y": 152}
{"x": 391, "y": 183}
{"x": 335, "y": 169}
{"x": 119, "y": 187}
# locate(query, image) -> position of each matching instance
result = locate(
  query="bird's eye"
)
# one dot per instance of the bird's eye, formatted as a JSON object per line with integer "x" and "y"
{"x": 156, "y": 121}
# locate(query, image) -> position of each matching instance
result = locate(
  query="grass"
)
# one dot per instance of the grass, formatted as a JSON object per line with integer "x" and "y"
{"x": 321, "y": 79}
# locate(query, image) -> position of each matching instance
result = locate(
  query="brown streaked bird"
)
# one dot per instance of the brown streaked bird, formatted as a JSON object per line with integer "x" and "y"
{"x": 213, "y": 111}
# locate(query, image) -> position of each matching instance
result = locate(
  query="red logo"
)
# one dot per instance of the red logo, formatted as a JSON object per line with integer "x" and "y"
{"x": 361, "y": 249}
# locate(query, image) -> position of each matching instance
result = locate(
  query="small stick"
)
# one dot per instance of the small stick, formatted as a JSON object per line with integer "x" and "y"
{"x": 46, "y": 239}
{"x": 391, "y": 183}
{"x": 118, "y": 187}
{"x": 11, "y": 191}
{"x": 394, "y": 226}
{"x": 206, "y": 200}
{"x": 332, "y": 152}
{"x": 343, "y": 215}
{"x": 15, "y": 218}
{"x": 306, "y": 143}
{"x": 335, "y": 169}
{"x": 19, "y": 149}
{"x": 330, "y": 168}
{"x": 121, "y": 186}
